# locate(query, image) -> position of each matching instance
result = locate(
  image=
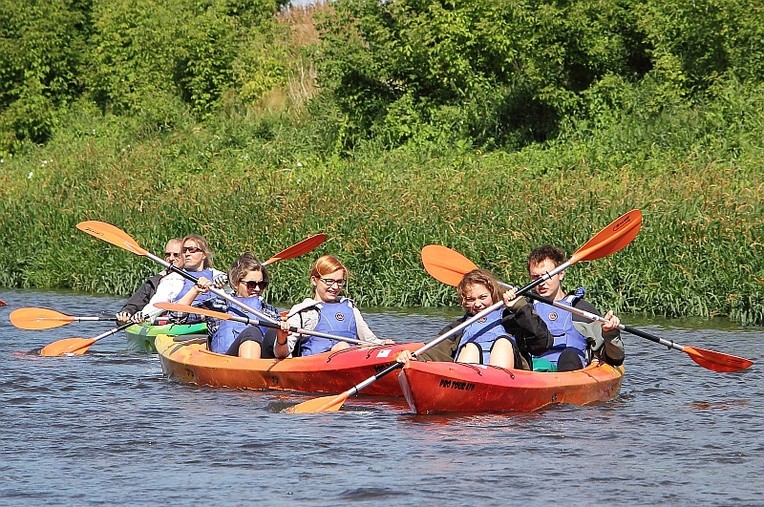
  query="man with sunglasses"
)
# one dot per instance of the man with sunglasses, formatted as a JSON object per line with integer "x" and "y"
{"x": 173, "y": 255}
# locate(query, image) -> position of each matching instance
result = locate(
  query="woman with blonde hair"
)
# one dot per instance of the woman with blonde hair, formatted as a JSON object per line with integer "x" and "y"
{"x": 327, "y": 312}
{"x": 197, "y": 260}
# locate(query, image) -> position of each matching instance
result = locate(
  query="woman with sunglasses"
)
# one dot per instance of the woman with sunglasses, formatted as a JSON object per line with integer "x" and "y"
{"x": 197, "y": 260}
{"x": 248, "y": 278}
{"x": 327, "y": 312}
{"x": 146, "y": 291}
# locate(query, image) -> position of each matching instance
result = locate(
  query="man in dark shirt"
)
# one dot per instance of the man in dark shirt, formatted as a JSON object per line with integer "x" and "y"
{"x": 172, "y": 254}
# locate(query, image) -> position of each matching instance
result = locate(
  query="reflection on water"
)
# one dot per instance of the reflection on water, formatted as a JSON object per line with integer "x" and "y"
{"x": 107, "y": 427}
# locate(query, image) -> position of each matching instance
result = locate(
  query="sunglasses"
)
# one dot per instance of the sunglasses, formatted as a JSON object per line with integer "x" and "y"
{"x": 331, "y": 281}
{"x": 171, "y": 254}
{"x": 251, "y": 284}
{"x": 191, "y": 249}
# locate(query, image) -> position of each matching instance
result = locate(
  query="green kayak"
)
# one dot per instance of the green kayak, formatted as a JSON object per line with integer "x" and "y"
{"x": 140, "y": 337}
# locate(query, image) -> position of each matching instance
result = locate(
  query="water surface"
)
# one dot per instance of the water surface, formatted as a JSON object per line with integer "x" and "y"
{"x": 109, "y": 428}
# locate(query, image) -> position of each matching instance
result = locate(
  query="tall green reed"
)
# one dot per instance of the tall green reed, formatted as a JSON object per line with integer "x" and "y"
{"x": 250, "y": 184}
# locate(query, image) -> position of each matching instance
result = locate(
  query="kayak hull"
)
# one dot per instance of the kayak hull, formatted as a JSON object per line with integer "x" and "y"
{"x": 432, "y": 387}
{"x": 141, "y": 337}
{"x": 331, "y": 372}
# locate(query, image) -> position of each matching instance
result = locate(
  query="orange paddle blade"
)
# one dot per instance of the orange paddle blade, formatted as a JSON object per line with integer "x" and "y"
{"x": 67, "y": 346}
{"x": 717, "y": 361}
{"x": 298, "y": 249}
{"x": 177, "y": 307}
{"x": 619, "y": 233}
{"x": 111, "y": 234}
{"x": 3, "y": 303}
{"x": 316, "y": 405}
{"x": 446, "y": 265}
{"x": 38, "y": 318}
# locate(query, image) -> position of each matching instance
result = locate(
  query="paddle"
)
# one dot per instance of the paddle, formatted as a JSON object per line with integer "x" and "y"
{"x": 612, "y": 238}
{"x": 448, "y": 266}
{"x": 44, "y": 318}
{"x": 115, "y": 236}
{"x": 78, "y": 346}
{"x": 298, "y": 249}
{"x": 177, "y": 307}
{"x": 120, "y": 238}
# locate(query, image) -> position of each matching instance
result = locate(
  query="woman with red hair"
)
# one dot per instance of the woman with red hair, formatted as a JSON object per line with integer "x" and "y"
{"x": 326, "y": 312}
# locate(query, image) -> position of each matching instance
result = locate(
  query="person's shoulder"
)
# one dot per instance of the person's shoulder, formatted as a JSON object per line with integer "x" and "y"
{"x": 583, "y": 304}
{"x": 305, "y": 304}
{"x": 349, "y": 302}
{"x": 455, "y": 323}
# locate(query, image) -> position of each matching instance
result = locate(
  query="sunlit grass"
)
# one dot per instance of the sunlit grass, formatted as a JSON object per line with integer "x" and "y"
{"x": 251, "y": 184}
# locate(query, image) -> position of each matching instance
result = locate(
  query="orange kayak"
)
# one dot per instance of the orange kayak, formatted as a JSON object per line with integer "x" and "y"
{"x": 331, "y": 372}
{"x": 432, "y": 387}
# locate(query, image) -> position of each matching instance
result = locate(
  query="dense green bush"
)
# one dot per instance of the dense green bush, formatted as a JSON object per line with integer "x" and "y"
{"x": 510, "y": 73}
{"x": 42, "y": 45}
{"x": 695, "y": 173}
{"x": 126, "y": 56}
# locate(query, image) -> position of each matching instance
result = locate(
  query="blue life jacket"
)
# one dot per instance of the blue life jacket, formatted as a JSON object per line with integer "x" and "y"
{"x": 187, "y": 284}
{"x": 229, "y": 330}
{"x": 484, "y": 333}
{"x": 333, "y": 318}
{"x": 560, "y": 325}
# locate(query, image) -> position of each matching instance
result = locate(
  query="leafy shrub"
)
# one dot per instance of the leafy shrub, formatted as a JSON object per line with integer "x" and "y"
{"x": 41, "y": 57}
{"x": 133, "y": 52}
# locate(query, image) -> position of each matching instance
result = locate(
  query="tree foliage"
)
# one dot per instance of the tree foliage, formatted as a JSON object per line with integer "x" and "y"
{"x": 42, "y": 47}
{"x": 476, "y": 72}
{"x": 508, "y": 73}
{"x": 130, "y": 57}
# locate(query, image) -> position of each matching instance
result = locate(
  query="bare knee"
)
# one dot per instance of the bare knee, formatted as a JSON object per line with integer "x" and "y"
{"x": 250, "y": 350}
{"x": 340, "y": 346}
{"x": 503, "y": 353}
{"x": 470, "y": 353}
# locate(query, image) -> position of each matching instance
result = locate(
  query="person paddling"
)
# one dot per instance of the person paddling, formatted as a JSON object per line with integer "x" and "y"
{"x": 197, "y": 259}
{"x": 576, "y": 340}
{"x": 505, "y": 338}
{"x": 327, "y": 312}
{"x": 146, "y": 291}
{"x": 249, "y": 279}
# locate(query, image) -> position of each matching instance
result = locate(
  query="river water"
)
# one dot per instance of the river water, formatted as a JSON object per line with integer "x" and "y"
{"x": 109, "y": 428}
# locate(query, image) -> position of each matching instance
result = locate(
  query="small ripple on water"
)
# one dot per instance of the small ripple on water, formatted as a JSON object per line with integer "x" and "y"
{"x": 369, "y": 494}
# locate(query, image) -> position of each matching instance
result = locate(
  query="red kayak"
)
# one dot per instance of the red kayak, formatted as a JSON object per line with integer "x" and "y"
{"x": 190, "y": 362}
{"x": 433, "y": 387}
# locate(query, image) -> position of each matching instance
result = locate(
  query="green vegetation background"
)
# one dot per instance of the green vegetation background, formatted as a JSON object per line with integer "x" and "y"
{"x": 488, "y": 127}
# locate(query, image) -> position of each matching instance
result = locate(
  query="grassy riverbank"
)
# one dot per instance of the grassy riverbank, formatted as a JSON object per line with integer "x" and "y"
{"x": 489, "y": 128}
{"x": 247, "y": 185}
